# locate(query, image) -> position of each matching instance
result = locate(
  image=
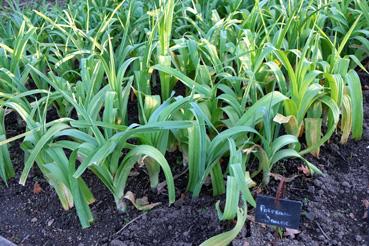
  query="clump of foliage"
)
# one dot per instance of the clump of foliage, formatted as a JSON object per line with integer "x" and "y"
{"x": 264, "y": 81}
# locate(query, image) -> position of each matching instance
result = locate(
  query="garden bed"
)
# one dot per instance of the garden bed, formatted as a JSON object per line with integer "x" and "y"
{"x": 333, "y": 207}
{"x": 190, "y": 103}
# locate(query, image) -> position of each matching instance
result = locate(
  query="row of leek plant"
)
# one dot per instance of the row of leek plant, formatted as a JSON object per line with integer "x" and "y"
{"x": 251, "y": 70}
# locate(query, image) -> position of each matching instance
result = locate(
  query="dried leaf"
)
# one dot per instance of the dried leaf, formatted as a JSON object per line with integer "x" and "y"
{"x": 149, "y": 206}
{"x": 304, "y": 169}
{"x": 130, "y": 196}
{"x": 140, "y": 203}
{"x": 250, "y": 150}
{"x": 279, "y": 177}
{"x": 37, "y": 188}
{"x": 281, "y": 119}
{"x": 141, "y": 161}
{"x": 291, "y": 233}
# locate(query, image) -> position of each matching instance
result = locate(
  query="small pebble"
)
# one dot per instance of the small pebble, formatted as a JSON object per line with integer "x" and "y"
{"x": 358, "y": 238}
{"x": 50, "y": 222}
{"x": 346, "y": 184}
{"x": 33, "y": 220}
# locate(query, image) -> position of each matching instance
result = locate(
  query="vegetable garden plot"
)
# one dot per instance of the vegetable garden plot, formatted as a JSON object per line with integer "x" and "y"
{"x": 265, "y": 82}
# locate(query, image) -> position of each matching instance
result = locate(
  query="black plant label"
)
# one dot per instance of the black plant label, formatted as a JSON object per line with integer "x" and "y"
{"x": 282, "y": 213}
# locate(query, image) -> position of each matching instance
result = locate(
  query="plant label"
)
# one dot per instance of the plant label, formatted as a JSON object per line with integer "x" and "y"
{"x": 283, "y": 213}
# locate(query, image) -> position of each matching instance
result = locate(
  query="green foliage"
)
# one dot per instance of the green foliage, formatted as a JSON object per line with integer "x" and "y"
{"x": 227, "y": 83}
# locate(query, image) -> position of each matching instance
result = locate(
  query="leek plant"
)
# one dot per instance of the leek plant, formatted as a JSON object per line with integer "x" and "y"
{"x": 227, "y": 83}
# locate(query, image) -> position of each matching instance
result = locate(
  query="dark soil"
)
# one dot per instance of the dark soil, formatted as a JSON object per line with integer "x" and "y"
{"x": 332, "y": 205}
